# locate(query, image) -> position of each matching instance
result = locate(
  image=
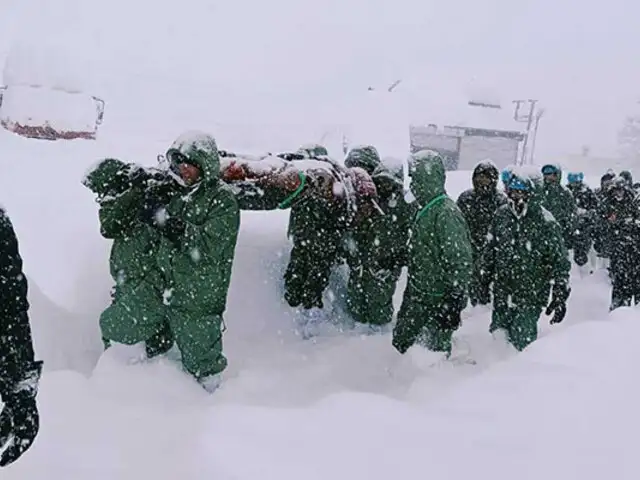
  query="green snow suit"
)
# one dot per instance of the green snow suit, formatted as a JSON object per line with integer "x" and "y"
{"x": 440, "y": 260}
{"x": 478, "y": 206}
{"x": 523, "y": 257}
{"x": 132, "y": 260}
{"x": 187, "y": 287}
{"x": 376, "y": 247}
{"x": 316, "y": 228}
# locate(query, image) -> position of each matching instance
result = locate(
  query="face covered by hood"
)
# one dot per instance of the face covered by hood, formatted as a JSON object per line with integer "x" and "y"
{"x": 628, "y": 178}
{"x": 426, "y": 169}
{"x": 620, "y": 191}
{"x": 197, "y": 149}
{"x": 485, "y": 178}
{"x": 606, "y": 180}
{"x": 552, "y": 174}
{"x": 519, "y": 193}
{"x": 365, "y": 157}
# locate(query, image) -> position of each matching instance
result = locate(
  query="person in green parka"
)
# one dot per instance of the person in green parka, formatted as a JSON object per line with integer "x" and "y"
{"x": 376, "y": 247}
{"x": 440, "y": 262}
{"x": 324, "y": 200}
{"x": 188, "y": 287}
{"x": 525, "y": 258}
{"x": 558, "y": 200}
{"x": 123, "y": 192}
{"x": 478, "y": 206}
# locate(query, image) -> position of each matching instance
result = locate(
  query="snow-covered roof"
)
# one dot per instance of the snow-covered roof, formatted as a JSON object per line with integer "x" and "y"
{"x": 468, "y": 116}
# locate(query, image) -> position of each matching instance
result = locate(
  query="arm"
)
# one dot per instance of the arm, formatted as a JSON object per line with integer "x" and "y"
{"x": 557, "y": 256}
{"x": 16, "y": 345}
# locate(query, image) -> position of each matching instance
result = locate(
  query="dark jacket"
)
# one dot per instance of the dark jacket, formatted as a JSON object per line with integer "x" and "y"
{"x": 16, "y": 347}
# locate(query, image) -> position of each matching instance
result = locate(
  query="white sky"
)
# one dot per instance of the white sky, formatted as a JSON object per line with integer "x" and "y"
{"x": 580, "y": 58}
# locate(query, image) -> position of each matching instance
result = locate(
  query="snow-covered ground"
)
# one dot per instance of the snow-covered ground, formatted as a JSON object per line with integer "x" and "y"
{"x": 345, "y": 406}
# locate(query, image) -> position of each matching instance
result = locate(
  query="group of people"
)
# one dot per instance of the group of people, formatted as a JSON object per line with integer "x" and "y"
{"x": 174, "y": 230}
{"x": 174, "y": 233}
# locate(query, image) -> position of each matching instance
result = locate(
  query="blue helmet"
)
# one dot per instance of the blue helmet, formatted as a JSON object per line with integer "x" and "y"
{"x": 575, "y": 177}
{"x": 518, "y": 183}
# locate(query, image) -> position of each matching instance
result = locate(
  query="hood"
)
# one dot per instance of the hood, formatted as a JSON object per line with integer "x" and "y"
{"x": 109, "y": 177}
{"x": 489, "y": 169}
{"x": 198, "y": 149}
{"x": 554, "y": 166}
{"x": 426, "y": 169}
{"x": 313, "y": 150}
{"x": 365, "y": 157}
{"x": 626, "y": 175}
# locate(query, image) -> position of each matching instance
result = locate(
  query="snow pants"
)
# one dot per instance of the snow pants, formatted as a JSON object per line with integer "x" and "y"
{"x": 583, "y": 240}
{"x": 309, "y": 269}
{"x": 370, "y": 294}
{"x": 139, "y": 314}
{"x": 419, "y": 323}
{"x": 625, "y": 290}
{"x": 520, "y": 323}
{"x": 479, "y": 294}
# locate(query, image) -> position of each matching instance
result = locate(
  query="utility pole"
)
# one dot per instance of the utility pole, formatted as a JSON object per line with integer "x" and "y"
{"x": 528, "y": 119}
{"x": 535, "y": 135}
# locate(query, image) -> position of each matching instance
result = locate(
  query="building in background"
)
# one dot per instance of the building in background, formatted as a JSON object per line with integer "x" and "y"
{"x": 473, "y": 133}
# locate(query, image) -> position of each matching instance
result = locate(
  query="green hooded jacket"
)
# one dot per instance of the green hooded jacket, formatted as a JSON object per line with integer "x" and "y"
{"x": 558, "y": 200}
{"x": 198, "y": 268}
{"x": 524, "y": 256}
{"x": 440, "y": 254}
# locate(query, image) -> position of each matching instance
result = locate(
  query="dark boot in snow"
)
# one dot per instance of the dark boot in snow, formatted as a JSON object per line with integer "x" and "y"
{"x": 160, "y": 343}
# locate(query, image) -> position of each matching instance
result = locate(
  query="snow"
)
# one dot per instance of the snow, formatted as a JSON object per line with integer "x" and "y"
{"x": 194, "y": 139}
{"x": 34, "y": 106}
{"x": 345, "y": 406}
{"x": 548, "y": 216}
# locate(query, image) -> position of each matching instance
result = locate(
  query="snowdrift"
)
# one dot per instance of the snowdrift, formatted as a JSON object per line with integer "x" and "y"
{"x": 544, "y": 414}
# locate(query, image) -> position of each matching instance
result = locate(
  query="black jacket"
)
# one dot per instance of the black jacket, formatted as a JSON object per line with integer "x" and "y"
{"x": 16, "y": 346}
{"x": 479, "y": 210}
{"x": 585, "y": 198}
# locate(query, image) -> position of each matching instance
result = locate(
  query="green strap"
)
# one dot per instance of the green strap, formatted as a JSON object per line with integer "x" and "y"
{"x": 287, "y": 201}
{"x": 426, "y": 208}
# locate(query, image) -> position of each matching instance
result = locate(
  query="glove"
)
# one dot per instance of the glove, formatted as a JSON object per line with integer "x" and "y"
{"x": 19, "y": 421}
{"x": 138, "y": 177}
{"x": 453, "y": 303}
{"x": 150, "y": 209}
{"x": 558, "y": 304}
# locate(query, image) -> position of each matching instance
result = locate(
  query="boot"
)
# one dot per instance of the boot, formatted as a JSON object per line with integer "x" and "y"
{"x": 160, "y": 343}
